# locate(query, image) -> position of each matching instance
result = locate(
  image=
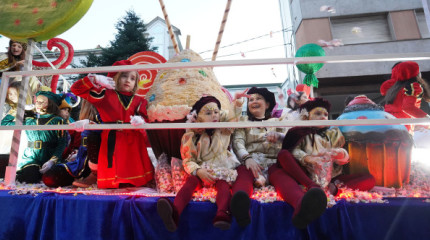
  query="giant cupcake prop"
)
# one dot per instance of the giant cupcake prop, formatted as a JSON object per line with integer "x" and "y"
{"x": 382, "y": 150}
{"x": 171, "y": 96}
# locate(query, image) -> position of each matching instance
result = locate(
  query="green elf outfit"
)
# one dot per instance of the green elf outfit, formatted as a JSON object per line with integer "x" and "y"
{"x": 42, "y": 145}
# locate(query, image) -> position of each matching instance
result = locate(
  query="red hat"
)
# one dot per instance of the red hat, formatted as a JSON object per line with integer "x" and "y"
{"x": 119, "y": 63}
{"x": 361, "y": 99}
{"x": 405, "y": 71}
{"x": 303, "y": 88}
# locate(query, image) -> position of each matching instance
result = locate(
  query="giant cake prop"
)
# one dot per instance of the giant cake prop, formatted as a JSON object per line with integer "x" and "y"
{"x": 382, "y": 150}
{"x": 171, "y": 97}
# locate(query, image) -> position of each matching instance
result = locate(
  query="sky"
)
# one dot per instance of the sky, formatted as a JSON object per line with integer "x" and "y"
{"x": 201, "y": 19}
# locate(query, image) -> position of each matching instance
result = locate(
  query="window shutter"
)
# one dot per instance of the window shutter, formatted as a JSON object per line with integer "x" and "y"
{"x": 365, "y": 29}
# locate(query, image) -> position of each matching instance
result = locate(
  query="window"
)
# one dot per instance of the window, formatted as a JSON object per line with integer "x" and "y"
{"x": 422, "y": 25}
{"x": 366, "y": 29}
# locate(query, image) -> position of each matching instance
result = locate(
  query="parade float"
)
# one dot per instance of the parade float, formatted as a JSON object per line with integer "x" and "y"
{"x": 38, "y": 212}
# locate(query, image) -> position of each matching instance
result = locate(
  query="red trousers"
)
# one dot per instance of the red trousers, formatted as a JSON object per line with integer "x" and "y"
{"x": 192, "y": 184}
{"x": 287, "y": 174}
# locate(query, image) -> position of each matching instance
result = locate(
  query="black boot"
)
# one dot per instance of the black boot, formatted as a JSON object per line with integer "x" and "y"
{"x": 312, "y": 205}
{"x": 240, "y": 204}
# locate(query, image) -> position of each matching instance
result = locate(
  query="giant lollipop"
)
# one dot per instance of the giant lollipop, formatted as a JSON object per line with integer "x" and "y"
{"x": 146, "y": 76}
{"x": 310, "y": 50}
{"x": 39, "y": 20}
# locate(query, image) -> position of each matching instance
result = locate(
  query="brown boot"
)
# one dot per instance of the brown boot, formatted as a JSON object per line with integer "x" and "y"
{"x": 86, "y": 182}
{"x": 168, "y": 213}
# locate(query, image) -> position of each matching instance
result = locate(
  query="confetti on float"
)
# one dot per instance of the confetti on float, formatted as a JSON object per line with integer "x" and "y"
{"x": 418, "y": 187}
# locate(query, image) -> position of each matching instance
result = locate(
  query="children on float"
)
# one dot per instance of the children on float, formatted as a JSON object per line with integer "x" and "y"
{"x": 123, "y": 158}
{"x": 44, "y": 147}
{"x": 257, "y": 149}
{"x": 81, "y": 163}
{"x": 207, "y": 160}
{"x": 404, "y": 91}
{"x": 319, "y": 151}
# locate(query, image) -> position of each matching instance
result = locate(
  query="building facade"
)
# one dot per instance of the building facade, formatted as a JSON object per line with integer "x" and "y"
{"x": 364, "y": 27}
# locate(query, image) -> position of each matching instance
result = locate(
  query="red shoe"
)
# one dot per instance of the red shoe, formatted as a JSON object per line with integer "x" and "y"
{"x": 168, "y": 214}
{"x": 312, "y": 205}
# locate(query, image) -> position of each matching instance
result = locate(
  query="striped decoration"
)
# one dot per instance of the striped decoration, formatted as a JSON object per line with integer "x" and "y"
{"x": 221, "y": 30}
{"x": 169, "y": 26}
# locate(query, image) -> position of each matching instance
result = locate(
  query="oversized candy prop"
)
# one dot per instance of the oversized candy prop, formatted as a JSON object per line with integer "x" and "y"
{"x": 146, "y": 76}
{"x": 171, "y": 96}
{"x": 382, "y": 150}
{"x": 40, "y": 20}
{"x": 310, "y": 50}
{"x": 63, "y": 60}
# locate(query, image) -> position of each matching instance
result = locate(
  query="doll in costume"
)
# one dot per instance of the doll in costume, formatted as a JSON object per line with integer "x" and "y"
{"x": 123, "y": 158}
{"x": 404, "y": 92}
{"x": 44, "y": 147}
{"x": 207, "y": 160}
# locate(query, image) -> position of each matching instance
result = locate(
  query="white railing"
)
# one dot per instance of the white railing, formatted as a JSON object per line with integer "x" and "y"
{"x": 228, "y": 63}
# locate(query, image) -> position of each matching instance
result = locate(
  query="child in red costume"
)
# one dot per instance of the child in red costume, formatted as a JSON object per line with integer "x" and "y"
{"x": 123, "y": 157}
{"x": 404, "y": 91}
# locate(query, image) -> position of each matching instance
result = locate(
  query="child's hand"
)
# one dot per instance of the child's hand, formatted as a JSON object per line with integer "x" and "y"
{"x": 136, "y": 120}
{"x": 20, "y": 64}
{"x": 48, "y": 165}
{"x": 310, "y": 159}
{"x": 101, "y": 80}
{"x": 205, "y": 176}
{"x": 274, "y": 137}
{"x": 255, "y": 168}
{"x": 238, "y": 95}
{"x": 80, "y": 125}
{"x": 340, "y": 156}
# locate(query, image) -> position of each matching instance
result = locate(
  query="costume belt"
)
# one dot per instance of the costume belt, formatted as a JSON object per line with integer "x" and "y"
{"x": 111, "y": 143}
{"x": 84, "y": 142}
{"x": 38, "y": 144}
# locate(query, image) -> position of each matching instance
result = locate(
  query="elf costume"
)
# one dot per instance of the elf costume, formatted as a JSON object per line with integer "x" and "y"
{"x": 42, "y": 145}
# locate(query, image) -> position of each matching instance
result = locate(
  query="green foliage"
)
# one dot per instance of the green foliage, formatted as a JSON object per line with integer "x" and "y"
{"x": 129, "y": 40}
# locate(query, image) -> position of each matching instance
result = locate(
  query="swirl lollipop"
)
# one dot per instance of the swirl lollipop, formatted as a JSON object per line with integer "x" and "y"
{"x": 146, "y": 76}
